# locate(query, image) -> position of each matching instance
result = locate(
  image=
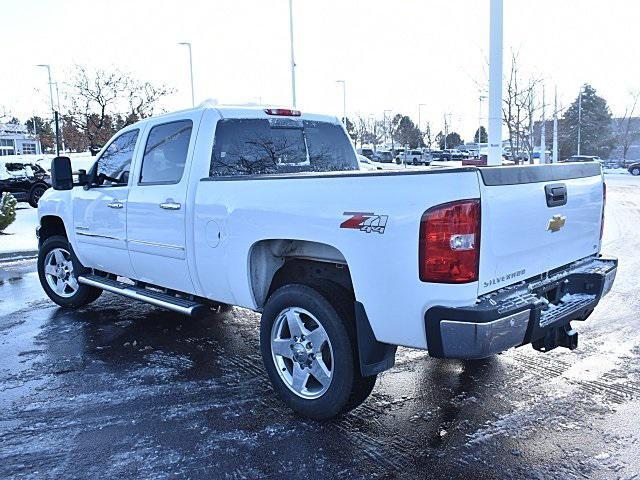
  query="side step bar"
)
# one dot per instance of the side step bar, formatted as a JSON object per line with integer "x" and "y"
{"x": 159, "y": 299}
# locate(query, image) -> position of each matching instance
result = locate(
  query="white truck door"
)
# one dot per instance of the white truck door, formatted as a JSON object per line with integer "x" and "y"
{"x": 156, "y": 211}
{"x": 100, "y": 211}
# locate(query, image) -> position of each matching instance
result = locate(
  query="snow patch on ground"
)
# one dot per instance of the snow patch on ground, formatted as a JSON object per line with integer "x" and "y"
{"x": 20, "y": 236}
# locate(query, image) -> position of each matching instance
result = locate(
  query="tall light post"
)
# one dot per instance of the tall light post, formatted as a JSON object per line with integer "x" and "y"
{"x": 494, "y": 156}
{"x": 579, "y": 119}
{"x": 344, "y": 101}
{"x": 54, "y": 113}
{"x": 420, "y": 105}
{"x": 387, "y": 127}
{"x": 193, "y": 97}
{"x": 293, "y": 62}
{"x": 48, "y": 67}
{"x": 554, "y": 155}
{"x": 58, "y": 105}
{"x": 543, "y": 139}
{"x": 480, "y": 99}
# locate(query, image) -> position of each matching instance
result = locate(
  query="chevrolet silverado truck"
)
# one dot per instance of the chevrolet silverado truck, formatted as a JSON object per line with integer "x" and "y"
{"x": 266, "y": 209}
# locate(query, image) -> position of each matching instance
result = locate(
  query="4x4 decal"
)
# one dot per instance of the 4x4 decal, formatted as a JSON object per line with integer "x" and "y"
{"x": 365, "y": 222}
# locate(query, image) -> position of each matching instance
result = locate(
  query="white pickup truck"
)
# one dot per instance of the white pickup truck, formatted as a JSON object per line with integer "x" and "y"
{"x": 266, "y": 209}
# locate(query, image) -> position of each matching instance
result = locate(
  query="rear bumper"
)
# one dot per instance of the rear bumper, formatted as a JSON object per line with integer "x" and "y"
{"x": 524, "y": 313}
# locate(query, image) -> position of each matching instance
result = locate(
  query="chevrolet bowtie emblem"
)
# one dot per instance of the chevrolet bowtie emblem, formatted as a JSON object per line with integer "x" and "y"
{"x": 556, "y": 223}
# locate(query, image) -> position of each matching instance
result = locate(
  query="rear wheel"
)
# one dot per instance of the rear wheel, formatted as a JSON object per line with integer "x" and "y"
{"x": 308, "y": 349}
{"x": 635, "y": 171}
{"x": 58, "y": 270}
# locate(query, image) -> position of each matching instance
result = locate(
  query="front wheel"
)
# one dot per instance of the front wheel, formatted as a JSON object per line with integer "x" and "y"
{"x": 308, "y": 349}
{"x": 36, "y": 192}
{"x": 58, "y": 270}
{"x": 635, "y": 171}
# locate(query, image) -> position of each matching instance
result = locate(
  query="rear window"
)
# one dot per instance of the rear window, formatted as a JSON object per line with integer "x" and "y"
{"x": 279, "y": 145}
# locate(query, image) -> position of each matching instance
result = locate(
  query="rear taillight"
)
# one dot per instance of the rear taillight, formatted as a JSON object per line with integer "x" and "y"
{"x": 449, "y": 249}
{"x": 604, "y": 204}
{"x": 282, "y": 112}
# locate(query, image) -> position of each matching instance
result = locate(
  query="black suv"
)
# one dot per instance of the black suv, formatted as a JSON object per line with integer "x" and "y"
{"x": 25, "y": 181}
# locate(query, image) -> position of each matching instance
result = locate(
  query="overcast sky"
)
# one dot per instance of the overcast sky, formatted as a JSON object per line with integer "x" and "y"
{"x": 392, "y": 54}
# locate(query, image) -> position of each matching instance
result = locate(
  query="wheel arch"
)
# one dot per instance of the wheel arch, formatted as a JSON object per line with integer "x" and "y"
{"x": 51, "y": 225}
{"x": 276, "y": 262}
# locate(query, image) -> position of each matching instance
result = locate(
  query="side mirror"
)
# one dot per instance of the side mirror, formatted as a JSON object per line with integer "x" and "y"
{"x": 61, "y": 175}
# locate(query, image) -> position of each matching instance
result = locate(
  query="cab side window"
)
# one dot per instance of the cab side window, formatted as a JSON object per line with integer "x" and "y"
{"x": 113, "y": 166}
{"x": 165, "y": 154}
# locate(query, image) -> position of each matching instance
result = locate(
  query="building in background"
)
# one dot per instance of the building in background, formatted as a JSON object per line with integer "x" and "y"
{"x": 16, "y": 140}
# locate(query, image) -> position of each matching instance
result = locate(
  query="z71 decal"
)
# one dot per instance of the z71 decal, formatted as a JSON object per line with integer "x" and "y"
{"x": 365, "y": 222}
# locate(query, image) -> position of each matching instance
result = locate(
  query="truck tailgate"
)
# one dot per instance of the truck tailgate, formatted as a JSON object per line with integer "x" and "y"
{"x": 528, "y": 228}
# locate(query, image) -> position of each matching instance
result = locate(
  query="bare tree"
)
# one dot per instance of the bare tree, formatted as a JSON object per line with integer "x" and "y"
{"x": 101, "y": 102}
{"x": 628, "y": 127}
{"x": 518, "y": 109}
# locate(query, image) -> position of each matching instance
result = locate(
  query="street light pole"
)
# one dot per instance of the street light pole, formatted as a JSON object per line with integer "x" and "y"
{"x": 579, "y": 119}
{"x": 54, "y": 113}
{"x": 494, "y": 156}
{"x": 554, "y": 158}
{"x": 293, "y": 62}
{"x": 344, "y": 101}
{"x": 58, "y": 105}
{"x": 193, "y": 98}
{"x": 543, "y": 139}
{"x": 480, "y": 98}
{"x": 48, "y": 67}
{"x": 387, "y": 127}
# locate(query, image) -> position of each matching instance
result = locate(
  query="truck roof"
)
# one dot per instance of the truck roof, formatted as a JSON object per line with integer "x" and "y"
{"x": 244, "y": 111}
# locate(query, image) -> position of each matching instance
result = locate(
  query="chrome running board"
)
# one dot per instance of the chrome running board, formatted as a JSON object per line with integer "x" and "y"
{"x": 159, "y": 299}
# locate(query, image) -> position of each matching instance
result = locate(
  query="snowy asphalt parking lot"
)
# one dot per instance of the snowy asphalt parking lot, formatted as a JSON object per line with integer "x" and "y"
{"x": 120, "y": 389}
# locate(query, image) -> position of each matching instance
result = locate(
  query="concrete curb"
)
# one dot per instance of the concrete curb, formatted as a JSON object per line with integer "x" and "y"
{"x": 12, "y": 256}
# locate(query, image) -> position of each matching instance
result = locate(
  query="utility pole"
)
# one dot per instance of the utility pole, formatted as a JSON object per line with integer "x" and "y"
{"x": 293, "y": 62}
{"x": 543, "y": 146}
{"x": 494, "y": 156}
{"x": 446, "y": 131}
{"x": 579, "y": 119}
{"x": 554, "y": 158}
{"x": 387, "y": 128}
{"x": 344, "y": 101}
{"x": 54, "y": 113}
{"x": 193, "y": 97}
{"x": 420, "y": 105}
{"x": 480, "y": 98}
{"x": 58, "y": 104}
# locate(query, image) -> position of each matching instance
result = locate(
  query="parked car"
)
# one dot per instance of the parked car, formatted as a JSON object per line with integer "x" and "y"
{"x": 366, "y": 164}
{"x": 343, "y": 264}
{"x": 383, "y": 156}
{"x": 412, "y": 157}
{"x": 452, "y": 154}
{"x": 366, "y": 152}
{"x": 27, "y": 182}
{"x": 582, "y": 158}
{"x": 634, "y": 169}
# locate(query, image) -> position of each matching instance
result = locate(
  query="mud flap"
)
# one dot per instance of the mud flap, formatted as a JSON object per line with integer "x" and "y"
{"x": 375, "y": 357}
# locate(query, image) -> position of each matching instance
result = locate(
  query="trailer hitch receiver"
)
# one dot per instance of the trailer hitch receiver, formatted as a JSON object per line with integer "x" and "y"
{"x": 563, "y": 336}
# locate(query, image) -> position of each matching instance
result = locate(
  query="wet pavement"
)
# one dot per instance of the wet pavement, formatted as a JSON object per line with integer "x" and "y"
{"x": 120, "y": 389}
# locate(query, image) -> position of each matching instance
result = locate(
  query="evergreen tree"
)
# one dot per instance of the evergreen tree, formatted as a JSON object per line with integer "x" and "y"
{"x": 38, "y": 126}
{"x": 406, "y": 132}
{"x": 484, "y": 138}
{"x": 595, "y": 126}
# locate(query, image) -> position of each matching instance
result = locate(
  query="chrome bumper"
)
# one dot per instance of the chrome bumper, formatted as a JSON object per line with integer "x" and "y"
{"x": 524, "y": 313}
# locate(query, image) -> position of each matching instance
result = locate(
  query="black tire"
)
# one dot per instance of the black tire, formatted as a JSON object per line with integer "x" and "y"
{"x": 332, "y": 308}
{"x": 36, "y": 192}
{"x": 635, "y": 171}
{"x": 84, "y": 294}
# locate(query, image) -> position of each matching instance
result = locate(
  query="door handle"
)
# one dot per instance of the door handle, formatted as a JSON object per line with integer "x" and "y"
{"x": 115, "y": 205}
{"x": 170, "y": 206}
